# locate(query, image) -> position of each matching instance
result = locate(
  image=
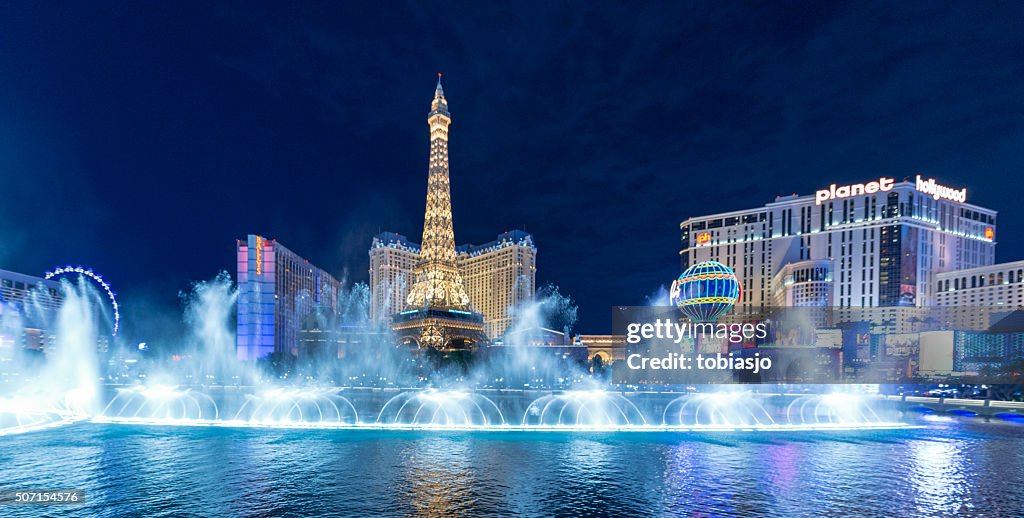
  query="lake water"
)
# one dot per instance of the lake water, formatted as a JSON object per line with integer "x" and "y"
{"x": 952, "y": 465}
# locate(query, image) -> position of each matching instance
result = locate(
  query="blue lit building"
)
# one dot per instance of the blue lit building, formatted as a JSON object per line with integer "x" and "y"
{"x": 277, "y": 289}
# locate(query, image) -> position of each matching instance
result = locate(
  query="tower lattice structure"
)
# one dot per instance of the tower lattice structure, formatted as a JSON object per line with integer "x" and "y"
{"x": 438, "y": 282}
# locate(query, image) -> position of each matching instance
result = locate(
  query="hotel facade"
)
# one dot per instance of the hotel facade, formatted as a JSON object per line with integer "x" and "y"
{"x": 880, "y": 244}
{"x": 30, "y": 312}
{"x": 277, "y": 290}
{"x": 28, "y": 306}
{"x": 972, "y": 297}
{"x": 498, "y": 276}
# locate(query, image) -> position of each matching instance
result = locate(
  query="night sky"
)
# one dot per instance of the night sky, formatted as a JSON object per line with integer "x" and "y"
{"x": 142, "y": 139}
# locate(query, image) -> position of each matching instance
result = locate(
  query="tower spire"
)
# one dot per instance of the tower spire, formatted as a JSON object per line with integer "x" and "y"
{"x": 439, "y": 106}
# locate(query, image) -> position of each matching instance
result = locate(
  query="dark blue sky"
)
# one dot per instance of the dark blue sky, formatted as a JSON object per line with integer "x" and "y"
{"x": 143, "y": 138}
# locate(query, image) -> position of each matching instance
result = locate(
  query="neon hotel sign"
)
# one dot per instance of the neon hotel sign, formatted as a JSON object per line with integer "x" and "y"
{"x": 884, "y": 184}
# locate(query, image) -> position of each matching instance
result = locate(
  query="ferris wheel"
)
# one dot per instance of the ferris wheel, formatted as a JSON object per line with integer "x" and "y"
{"x": 96, "y": 278}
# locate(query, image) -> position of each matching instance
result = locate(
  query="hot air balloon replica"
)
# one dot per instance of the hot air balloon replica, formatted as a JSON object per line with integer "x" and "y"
{"x": 706, "y": 291}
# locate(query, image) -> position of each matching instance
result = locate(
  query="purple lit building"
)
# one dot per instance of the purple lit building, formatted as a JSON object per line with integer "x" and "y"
{"x": 277, "y": 289}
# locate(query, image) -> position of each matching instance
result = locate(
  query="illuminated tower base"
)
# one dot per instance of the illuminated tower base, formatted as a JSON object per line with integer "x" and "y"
{"x": 440, "y": 329}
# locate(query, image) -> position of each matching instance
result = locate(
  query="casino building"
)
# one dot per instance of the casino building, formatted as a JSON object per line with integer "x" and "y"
{"x": 498, "y": 275}
{"x": 878, "y": 244}
{"x": 392, "y": 258}
{"x": 975, "y": 298}
{"x": 277, "y": 290}
{"x": 28, "y": 305}
{"x": 804, "y": 284}
{"x": 30, "y": 315}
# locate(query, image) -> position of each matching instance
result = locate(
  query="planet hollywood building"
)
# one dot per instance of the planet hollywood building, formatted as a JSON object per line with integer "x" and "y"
{"x": 877, "y": 244}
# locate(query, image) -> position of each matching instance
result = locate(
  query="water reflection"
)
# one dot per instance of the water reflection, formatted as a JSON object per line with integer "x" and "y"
{"x": 952, "y": 466}
{"x": 938, "y": 477}
{"x": 438, "y": 477}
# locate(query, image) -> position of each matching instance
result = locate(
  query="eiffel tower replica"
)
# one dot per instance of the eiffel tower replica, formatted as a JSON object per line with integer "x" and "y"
{"x": 438, "y": 314}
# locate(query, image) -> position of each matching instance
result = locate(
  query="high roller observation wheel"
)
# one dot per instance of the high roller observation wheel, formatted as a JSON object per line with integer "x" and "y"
{"x": 98, "y": 279}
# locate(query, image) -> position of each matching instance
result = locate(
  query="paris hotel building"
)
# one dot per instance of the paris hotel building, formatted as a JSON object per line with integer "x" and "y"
{"x": 498, "y": 276}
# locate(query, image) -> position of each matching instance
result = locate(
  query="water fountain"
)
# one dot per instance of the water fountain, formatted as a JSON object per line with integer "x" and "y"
{"x": 209, "y": 307}
{"x": 159, "y": 403}
{"x": 65, "y": 388}
{"x": 838, "y": 409}
{"x": 716, "y": 409}
{"x": 440, "y": 408}
{"x": 583, "y": 409}
{"x": 21, "y": 414}
{"x": 214, "y": 389}
{"x": 576, "y": 410}
{"x": 297, "y": 406}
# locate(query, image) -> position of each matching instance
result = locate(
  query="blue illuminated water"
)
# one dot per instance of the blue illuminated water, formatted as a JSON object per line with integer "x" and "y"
{"x": 952, "y": 466}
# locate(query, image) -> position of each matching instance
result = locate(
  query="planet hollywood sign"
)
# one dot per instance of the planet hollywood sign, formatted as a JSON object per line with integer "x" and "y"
{"x": 929, "y": 187}
{"x": 941, "y": 191}
{"x": 833, "y": 192}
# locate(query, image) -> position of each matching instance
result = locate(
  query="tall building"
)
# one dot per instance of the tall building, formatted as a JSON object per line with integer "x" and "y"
{"x": 967, "y": 352}
{"x": 29, "y": 311}
{"x": 885, "y": 242}
{"x": 392, "y": 258}
{"x": 28, "y": 307}
{"x": 277, "y": 290}
{"x": 972, "y": 297}
{"x": 803, "y": 284}
{"x": 498, "y": 276}
{"x": 438, "y": 314}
